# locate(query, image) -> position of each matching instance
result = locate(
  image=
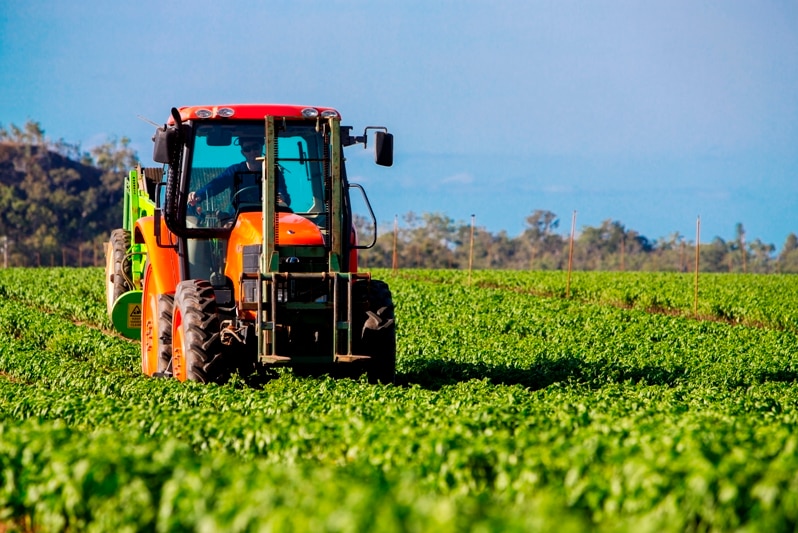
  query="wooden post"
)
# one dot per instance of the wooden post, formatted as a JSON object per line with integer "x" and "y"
{"x": 697, "y": 250}
{"x": 471, "y": 249}
{"x": 570, "y": 256}
{"x": 742, "y": 249}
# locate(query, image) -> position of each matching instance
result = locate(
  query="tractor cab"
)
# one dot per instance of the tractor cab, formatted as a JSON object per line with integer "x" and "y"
{"x": 251, "y": 252}
{"x": 219, "y": 163}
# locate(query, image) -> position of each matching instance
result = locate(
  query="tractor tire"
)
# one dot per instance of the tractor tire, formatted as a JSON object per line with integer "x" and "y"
{"x": 118, "y": 273}
{"x": 197, "y": 352}
{"x": 156, "y": 328}
{"x": 376, "y": 330}
{"x": 166, "y": 303}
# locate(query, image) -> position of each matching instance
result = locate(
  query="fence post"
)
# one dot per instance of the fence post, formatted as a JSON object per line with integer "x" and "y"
{"x": 697, "y": 249}
{"x": 471, "y": 249}
{"x": 570, "y": 256}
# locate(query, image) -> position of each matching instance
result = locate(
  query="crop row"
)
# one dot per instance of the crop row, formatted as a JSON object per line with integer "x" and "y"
{"x": 451, "y": 329}
{"x": 74, "y": 293}
{"x": 749, "y": 299}
{"x": 513, "y": 412}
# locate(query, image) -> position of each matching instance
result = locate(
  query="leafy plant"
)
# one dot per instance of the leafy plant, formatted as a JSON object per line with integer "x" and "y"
{"x": 517, "y": 409}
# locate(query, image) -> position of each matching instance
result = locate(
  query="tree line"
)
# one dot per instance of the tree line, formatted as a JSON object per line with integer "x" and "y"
{"x": 434, "y": 240}
{"x": 58, "y": 205}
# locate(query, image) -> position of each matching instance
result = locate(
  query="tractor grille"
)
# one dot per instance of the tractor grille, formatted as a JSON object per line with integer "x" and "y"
{"x": 251, "y": 258}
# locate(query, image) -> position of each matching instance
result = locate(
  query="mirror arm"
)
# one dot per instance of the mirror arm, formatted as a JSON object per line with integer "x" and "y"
{"x": 371, "y": 213}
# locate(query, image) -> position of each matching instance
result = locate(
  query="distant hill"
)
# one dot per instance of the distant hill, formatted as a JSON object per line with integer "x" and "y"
{"x": 52, "y": 207}
{"x": 16, "y": 161}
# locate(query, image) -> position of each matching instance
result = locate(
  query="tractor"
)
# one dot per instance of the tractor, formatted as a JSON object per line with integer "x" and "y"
{"x": 239, "y": 254}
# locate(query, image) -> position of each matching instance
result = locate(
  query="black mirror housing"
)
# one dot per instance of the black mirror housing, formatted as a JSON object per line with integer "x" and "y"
{"x": 165, "y": 141}
{"x": 383, "y": 148}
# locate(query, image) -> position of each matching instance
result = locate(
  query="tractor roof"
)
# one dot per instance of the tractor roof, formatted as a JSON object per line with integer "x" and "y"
{"x": 250, "y": 111}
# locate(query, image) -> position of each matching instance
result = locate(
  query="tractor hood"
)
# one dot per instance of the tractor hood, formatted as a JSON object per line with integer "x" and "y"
{"x": 292, "y": 230}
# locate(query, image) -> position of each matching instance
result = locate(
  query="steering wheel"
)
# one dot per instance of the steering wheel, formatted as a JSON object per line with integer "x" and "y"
{"x": 234, "y": 198}
{"x": 282, "y": 207}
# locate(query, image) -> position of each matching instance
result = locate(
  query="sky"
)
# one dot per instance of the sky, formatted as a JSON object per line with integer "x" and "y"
{"x": 650, "y": 113}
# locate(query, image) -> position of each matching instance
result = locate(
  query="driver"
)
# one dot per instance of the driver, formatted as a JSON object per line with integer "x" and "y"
{"x": 251, "y": 149}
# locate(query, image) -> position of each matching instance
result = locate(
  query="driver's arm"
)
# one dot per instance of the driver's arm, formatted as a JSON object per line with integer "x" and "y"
{"x": 213, "y": 187}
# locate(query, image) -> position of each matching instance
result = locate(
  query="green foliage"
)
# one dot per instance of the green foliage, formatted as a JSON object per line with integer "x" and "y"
{"x": 517, "y": 410}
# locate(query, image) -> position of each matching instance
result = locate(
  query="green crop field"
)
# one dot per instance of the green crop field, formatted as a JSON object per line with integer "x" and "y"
{"x": 516, "y": 409}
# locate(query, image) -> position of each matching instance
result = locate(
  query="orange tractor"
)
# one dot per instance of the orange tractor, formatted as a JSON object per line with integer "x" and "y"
{"x": 240, "y": 253}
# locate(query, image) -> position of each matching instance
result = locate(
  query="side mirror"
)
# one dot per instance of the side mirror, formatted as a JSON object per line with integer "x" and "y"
{"x": 383, "y": 148}
{"x": 165, "y": 141}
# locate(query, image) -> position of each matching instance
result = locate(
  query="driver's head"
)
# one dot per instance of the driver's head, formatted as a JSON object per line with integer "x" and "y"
{"x": 251, "y": 145}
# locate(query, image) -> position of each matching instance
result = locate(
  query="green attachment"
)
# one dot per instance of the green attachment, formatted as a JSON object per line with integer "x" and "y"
{"x": 137, "y": 204}
{"x": 126, "y": 314}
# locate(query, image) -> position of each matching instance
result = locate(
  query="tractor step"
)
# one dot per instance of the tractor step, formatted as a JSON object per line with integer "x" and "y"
{"x": 351, "y": 358}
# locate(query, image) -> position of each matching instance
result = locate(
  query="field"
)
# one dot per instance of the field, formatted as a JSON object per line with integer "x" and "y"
{"x": 619, "y": 408}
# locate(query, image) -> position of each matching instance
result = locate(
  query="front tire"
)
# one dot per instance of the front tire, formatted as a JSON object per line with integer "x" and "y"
{"x": 156, "y": 328}
{"x": 376, "y": 332}
{"x": 197, "y": 353}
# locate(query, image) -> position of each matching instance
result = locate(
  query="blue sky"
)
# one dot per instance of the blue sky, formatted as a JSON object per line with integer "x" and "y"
{"x": 650, "y": 113}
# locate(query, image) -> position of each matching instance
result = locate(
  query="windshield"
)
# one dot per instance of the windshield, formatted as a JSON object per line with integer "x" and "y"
{"x": 226, "y": 170}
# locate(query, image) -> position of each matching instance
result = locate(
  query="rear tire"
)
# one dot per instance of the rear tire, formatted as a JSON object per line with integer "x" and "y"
{"x": 118, "y": 274}
{"x": 196, "y": 346}
{"x": 156, "y": 328}
{"x": 376, "y": 331}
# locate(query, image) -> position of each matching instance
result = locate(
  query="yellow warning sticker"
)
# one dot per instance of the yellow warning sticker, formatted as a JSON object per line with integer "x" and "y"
{"x": 134, "y": 315}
